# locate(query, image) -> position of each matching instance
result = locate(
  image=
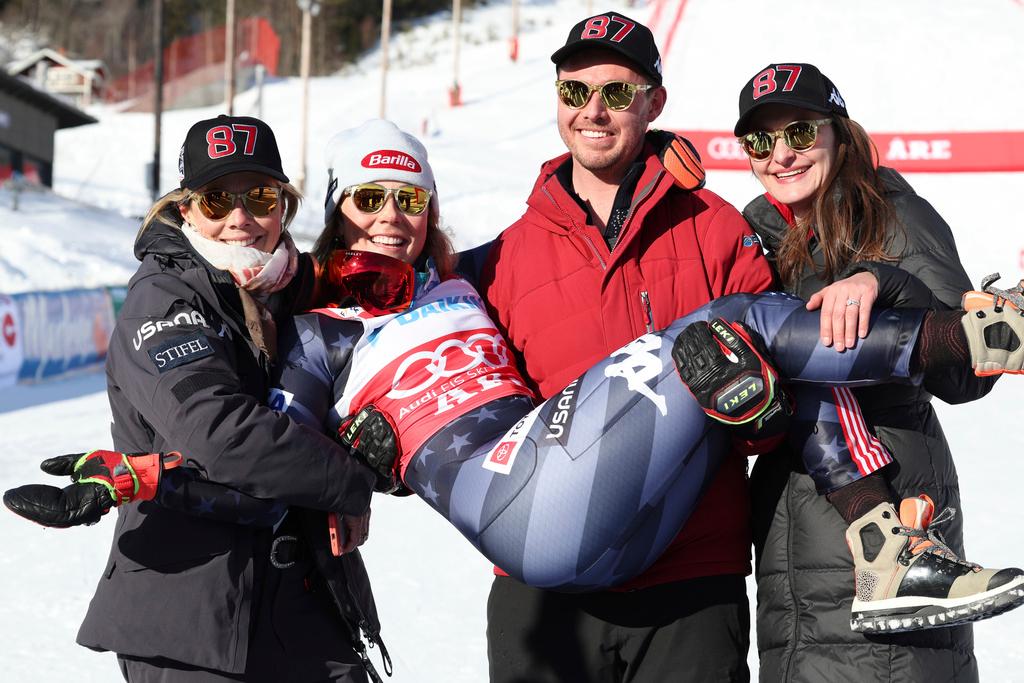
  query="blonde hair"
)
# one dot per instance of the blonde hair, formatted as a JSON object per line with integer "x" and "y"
{"x": 165, "y": 210}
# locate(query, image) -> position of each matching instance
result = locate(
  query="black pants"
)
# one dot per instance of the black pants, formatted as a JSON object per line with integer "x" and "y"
{"x": 298, "y": 638}
{"x": 696, "y": 630}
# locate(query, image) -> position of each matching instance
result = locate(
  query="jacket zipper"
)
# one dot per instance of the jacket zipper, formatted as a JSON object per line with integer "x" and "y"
{"x": 645, "y": 300}
{"x": 590, "y": 242}
{"x": 593, "y": 248}
{"x": 794, "y": 641}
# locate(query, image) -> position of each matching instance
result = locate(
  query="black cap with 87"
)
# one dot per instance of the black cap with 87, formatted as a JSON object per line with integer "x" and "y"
{"x": 613, "y": 31}
{"x": 228, "y": 144}
{"x": 796, "y": 85}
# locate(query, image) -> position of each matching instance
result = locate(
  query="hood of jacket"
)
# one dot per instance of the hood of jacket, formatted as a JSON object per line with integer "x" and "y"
{"x": 160, "y": 239}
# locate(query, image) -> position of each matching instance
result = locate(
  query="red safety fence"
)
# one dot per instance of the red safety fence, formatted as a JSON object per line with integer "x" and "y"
{"x": 255, "y": 42}
{"x": 913, "y": 152}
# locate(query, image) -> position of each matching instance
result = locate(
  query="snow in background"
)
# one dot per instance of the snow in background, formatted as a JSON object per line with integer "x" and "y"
{"x": 912, "y": 65}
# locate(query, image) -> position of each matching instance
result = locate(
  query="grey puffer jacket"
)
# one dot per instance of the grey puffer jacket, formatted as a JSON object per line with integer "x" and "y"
{"x": 804, "y": 569}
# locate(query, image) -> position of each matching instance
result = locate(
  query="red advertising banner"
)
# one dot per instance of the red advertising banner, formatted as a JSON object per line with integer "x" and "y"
{"x": 255, "y": 41}
{"x": 912, "y": 152}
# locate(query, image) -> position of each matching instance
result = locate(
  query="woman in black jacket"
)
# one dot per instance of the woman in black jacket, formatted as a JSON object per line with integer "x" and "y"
{"x": 235, "y": 588}
{"x": 843, "y": 234}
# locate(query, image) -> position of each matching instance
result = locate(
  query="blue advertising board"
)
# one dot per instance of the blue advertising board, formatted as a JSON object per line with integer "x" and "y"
{"x": 63, "y": 332}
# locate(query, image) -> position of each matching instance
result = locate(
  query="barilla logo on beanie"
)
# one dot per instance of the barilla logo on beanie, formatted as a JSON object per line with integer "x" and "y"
{"x": 228, "y": 144}
{"x": 376, "y": 151}
{"x": 618, "y": 33}
{"x": 797, "y": 85}
{"x": 391, "y": 158}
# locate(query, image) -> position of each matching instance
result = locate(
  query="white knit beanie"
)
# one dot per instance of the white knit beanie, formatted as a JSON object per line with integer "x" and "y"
{"x": 377, "y": 150}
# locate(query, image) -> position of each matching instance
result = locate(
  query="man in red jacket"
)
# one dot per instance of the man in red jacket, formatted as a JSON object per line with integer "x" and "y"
{"x": 612, "y": 246}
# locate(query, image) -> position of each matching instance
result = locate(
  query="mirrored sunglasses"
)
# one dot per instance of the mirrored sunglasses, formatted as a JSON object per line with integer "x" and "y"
{"x": 217, "y": 204}
{"x": 380, "y": 284}
{"x": 371, "y": 197}
{"x": 799, "y": 136}
{"x": 616, "y": 95}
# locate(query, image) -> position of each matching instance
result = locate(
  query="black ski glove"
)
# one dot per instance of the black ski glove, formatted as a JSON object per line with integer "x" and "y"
{"x": 726, "y": 370}
{"x": 102, "y": 480}
{"x": 370, "y": 436}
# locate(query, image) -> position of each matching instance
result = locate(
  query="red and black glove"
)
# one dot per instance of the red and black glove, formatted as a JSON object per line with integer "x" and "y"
{"x": 370, "y": 436}
{"x": 726, "y": 369}
{"x": 102, "y": 480}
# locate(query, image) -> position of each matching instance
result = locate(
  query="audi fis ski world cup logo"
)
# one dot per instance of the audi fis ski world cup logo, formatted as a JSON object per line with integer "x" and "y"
{"x": 455, "y": 371}
{"x": 393, "y": 159}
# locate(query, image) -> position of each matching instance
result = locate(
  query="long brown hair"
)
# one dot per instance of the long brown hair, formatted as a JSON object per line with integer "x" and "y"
{"x": 850, "y": 215}
{"x": 437, "y": 246}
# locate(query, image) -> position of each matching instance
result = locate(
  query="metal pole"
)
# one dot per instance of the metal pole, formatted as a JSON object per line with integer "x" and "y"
{"x": 158, "y": 95}
{"x": 307, "y": 24}
{"x": 385, "y": 34}
{"x": 261, "y": 72}
{"x": 229, "y": 58}
{"x": 131, "y": 65}
{"x": 456, "y": 93}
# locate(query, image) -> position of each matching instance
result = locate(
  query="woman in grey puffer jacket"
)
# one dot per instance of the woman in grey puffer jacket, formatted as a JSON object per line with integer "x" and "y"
{"x": 843, "y": 234}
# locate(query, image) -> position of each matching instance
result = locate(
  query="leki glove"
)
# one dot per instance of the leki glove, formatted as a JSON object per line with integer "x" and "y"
{"x": 102, "y": 480}
{"x": 727, "y": 371}
{"x": 370, "y": 436}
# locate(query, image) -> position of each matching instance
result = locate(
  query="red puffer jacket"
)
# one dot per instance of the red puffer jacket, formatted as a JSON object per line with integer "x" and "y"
{"x": 563, "y": 302}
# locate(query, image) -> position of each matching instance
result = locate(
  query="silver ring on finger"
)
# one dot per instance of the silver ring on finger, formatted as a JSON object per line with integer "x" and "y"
{"x": 853, "y": 302}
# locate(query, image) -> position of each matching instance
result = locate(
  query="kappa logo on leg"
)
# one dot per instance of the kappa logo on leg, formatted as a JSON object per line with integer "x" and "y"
{"x": 641, "y": 366}
{"x": 179, "y": 351}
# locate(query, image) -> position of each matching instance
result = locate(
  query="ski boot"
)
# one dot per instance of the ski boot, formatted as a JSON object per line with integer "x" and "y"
{"x": 907, "y": 579}
{"x": 994, "y": 323}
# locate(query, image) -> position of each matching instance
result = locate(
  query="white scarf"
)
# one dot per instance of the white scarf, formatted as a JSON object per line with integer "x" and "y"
{"x": 255, "y": 271}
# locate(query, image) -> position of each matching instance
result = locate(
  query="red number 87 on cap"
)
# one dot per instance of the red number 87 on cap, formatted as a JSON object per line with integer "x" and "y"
{"x": 765, "y": 83}
{"x": 597, "y": 27}
{"x": 221, "y": 142}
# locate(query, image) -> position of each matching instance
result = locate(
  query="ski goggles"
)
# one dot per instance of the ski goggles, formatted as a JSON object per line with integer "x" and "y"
{"x": 371, "y": 197}
{"x": 616, "y": 95}
{"x": 799, "y": 136}
{"x": 380, "y": 284}
{"x": 217, "y": 204}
